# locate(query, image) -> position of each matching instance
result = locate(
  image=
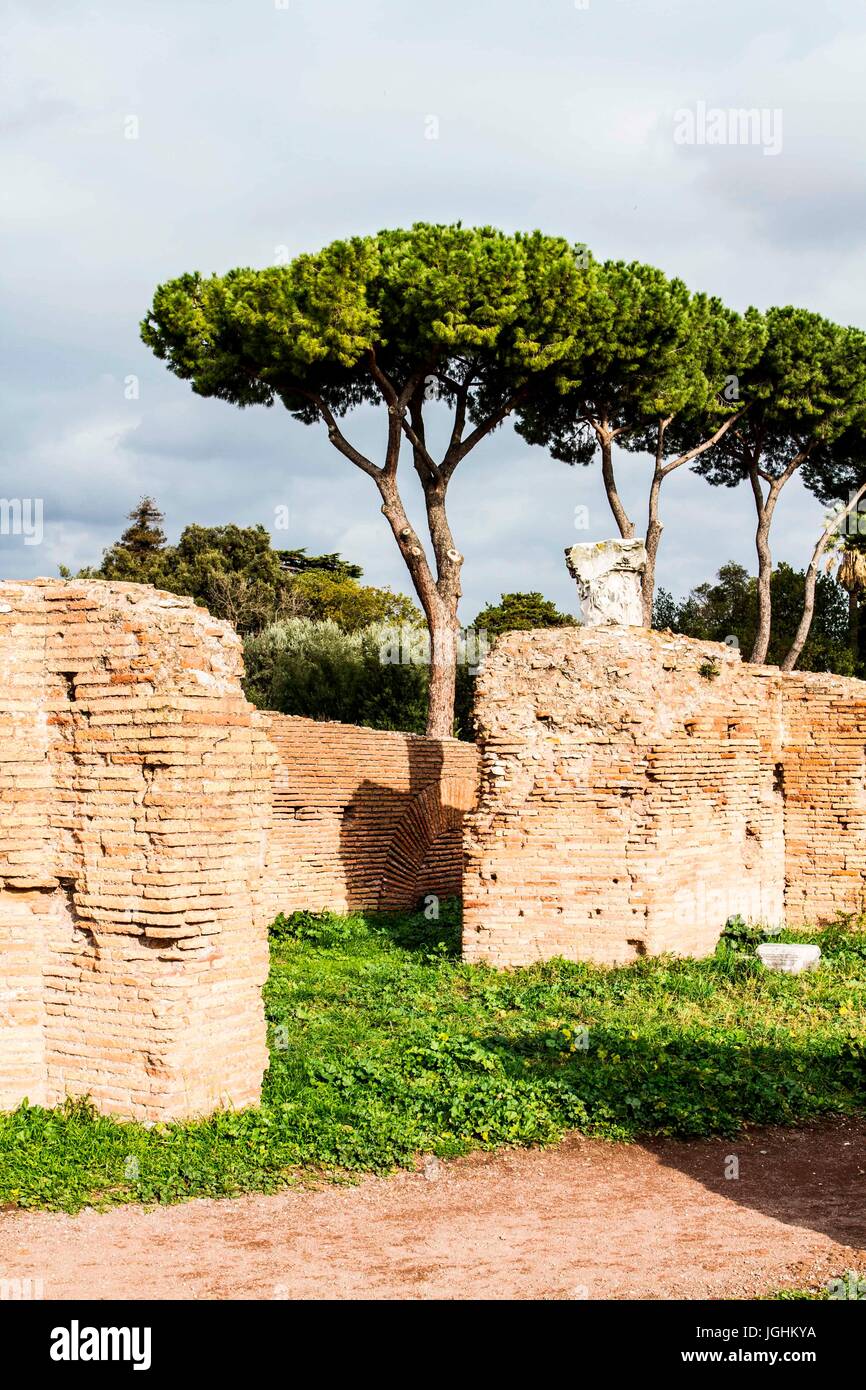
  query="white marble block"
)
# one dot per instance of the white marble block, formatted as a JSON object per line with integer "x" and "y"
{"x": 788, "y": 959}
{"x": 608, "y": 576}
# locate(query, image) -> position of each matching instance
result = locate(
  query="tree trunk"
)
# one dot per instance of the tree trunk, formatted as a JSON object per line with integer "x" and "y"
{"x": 444, "y": 627}
{"x": 654, "y": 526}
{"x": 761, "y": 644}
{"x": 438, "y": 597}
{"x": 805, "y": 623}
{"x": 443, "y": 673}
{"x": 765, "y": 508}
{"x": 653, "y": 530}
{"x": 626, "y": 527}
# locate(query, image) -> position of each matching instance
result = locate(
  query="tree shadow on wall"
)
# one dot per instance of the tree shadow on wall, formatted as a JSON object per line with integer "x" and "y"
{"x": 396, "y": 845}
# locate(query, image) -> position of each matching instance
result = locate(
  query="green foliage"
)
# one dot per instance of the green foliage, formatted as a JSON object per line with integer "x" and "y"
{"x": 740, "y": 937}
{"x": 298, "y": 561}
{"x": 650, "y": 350}
{"x": 315, "y": 669}
{"x": 384, "y": 1046}
{"x": 843, "y": 1287}
{"x": 318, "y": 670}
{"x": 331, "y": 597}
{"x": 318, "y": 928}
{"x": 729, "y": 608}
{"x": 235, "y": 573}
{"x": 806, "y": 390}
{"x": 520, "y": 612}
{"x": 432, "y": 295}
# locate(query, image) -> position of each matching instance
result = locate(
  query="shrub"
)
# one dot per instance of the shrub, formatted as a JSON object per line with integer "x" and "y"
{"x": 318, "y": 928}
{"x": 314, "y": 668}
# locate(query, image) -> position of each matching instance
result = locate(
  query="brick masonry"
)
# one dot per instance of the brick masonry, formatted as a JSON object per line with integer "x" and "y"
{"x": 639, "y": 788}
{"x": 364, "y": 818}
{"x": 636, "y": 789}
{"x": 152, "y": 823}
{"x": 135, "y": 796}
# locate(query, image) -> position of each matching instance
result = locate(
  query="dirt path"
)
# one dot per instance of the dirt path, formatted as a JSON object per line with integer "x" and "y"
{"x": 585, "y": 1219}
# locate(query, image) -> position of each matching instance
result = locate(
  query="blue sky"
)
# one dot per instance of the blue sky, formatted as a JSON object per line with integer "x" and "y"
{"x": 266, "y": 130}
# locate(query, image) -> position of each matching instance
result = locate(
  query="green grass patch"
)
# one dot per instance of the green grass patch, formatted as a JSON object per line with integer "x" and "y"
{"x": 385, "y": 1045}
{"x": 847, "y": 1287}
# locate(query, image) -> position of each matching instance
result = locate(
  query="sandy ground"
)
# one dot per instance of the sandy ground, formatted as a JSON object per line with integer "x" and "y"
{"x": 582, "y": 1220}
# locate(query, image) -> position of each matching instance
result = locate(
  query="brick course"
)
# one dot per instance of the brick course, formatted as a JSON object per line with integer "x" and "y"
{"x": 152, "y": 823}
{"x": 364, "y": 818}
{"x": 630, "y": 804}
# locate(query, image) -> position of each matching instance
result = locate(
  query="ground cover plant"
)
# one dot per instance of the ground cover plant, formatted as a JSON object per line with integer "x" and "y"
{"x": 385, "y": 1045}
{"x": 847, "y": 1287}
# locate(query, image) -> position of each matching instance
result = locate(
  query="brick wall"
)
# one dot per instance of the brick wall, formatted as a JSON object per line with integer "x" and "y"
{"x": 824, "y": 788}
{"x": 636, "y": 790}
{"x": 630, "y": 804}
{"x": 152, "y": 823}
{"x": 364, "y": 818}
{"x": 135, "y": 799}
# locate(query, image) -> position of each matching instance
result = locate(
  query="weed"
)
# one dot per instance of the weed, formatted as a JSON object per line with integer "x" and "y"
{"x": 386, "y": 1045}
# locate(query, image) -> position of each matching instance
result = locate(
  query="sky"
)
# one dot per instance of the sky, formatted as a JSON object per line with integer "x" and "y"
{"x": 140, "y": 141}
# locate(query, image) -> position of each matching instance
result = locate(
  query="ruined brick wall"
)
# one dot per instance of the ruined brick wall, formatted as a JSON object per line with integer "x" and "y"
{"x": 364, "y": 818}
{"x": 135, "y": 801}
{"x": 637, "y": 789}
{"x": 824, "y": 787}
{"x": 152, "y": 823}
{"x": 631, "y": 803}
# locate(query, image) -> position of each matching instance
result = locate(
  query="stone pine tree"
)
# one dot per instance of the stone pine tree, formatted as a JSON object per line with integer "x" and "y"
{"x": 835, "y": 473}
{"x": 470, "y": 318}
{"x": 659, "y": 374}
{"x": 806, "y": 391}
{"x": 697, "y": 405}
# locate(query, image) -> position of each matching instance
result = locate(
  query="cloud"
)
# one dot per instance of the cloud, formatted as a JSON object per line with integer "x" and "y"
{"x": 260, "y": 127}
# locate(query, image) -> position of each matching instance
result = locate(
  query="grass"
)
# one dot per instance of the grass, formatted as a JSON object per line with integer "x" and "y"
{"x": 385, "y": 1045}
{"x": 850, "y": 1286}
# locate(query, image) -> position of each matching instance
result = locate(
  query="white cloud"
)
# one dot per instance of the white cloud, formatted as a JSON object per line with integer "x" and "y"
{"x": 262, "y": 127}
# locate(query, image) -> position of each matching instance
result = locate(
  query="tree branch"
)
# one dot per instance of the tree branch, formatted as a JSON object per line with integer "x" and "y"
{"x": 699, "y": 449}
{"x": 805, "y": 623}
{"x": 414, "y": 432}
{"x": 336, "y": 435}
{"x": 480, "y": 432}
{"x": 462, "y": 396}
